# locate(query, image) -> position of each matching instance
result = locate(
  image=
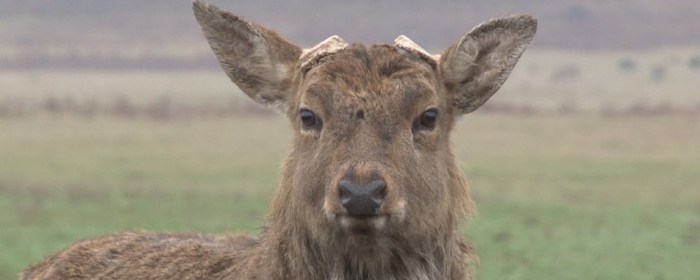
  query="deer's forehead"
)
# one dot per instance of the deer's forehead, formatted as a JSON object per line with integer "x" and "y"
{"x": 370, "y": 77}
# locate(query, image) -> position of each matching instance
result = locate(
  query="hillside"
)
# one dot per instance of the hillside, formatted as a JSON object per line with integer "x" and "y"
{"x": 163, "y": 34}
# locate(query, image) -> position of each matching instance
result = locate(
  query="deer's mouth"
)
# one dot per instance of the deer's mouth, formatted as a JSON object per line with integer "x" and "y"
{"x": 363, "y": 224}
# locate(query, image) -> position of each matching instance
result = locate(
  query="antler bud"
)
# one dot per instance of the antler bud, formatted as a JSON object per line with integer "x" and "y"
{"x": 309, "y": 57}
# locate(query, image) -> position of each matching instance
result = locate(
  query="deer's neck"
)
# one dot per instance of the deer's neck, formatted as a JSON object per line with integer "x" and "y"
{"x": 297, "y": 256}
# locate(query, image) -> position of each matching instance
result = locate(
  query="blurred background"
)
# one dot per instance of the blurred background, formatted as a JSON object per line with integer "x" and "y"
{"x": 114, "y": 115}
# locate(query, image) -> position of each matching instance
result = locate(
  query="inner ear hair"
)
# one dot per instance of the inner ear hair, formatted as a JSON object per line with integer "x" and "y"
{"x": 478, "y": 64}
{"x": 258, "y": 60}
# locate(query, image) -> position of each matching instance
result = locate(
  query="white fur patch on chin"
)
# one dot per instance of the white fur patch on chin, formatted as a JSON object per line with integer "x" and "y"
{"x": 345, "y": 221}
{"x": 398, "y": 214}
{"x": 379, "y": 222}
{"x": 330, "y": 215}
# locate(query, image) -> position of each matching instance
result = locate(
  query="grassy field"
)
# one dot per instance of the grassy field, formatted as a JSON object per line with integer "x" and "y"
{"x": 580, "y": 178}
{"x": 567, "y": 197}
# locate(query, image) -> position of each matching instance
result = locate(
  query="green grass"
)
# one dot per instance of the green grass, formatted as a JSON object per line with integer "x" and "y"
{"x": 559, "y": 197}
{"x": 541, "y": 241}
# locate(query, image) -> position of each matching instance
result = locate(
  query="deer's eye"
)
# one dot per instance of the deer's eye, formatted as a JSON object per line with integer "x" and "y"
{"x": 428, "y": 119}
{"x": 308, "y": 119}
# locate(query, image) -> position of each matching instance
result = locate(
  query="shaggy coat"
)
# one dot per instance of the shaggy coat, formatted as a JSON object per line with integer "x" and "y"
{"x": 361, "y": 114}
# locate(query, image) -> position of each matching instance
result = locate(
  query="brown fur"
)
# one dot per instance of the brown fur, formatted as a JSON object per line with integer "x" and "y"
{"x": 368, "y": 101}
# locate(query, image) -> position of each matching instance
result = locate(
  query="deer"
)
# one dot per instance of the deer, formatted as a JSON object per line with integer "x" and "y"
{"x": 371, "y": 188}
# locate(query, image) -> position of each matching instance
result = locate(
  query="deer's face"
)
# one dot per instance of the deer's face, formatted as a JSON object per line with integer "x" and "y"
{"x": 371, "y": 149}
{"x": 371, "y": 158}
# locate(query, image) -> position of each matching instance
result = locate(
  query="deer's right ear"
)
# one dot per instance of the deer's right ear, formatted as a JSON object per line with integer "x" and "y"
{"x": 259, "y": 61}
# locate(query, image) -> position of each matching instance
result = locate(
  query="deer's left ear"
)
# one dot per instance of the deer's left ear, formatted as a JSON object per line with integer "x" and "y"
{"x": 477, "y": 65}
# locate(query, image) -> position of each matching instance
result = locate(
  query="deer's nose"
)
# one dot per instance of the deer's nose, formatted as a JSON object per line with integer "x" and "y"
{"x": 362, "y": 199}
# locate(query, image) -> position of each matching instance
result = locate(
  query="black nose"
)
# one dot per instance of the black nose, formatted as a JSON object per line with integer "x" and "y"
{"x": 361, "y": 199}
